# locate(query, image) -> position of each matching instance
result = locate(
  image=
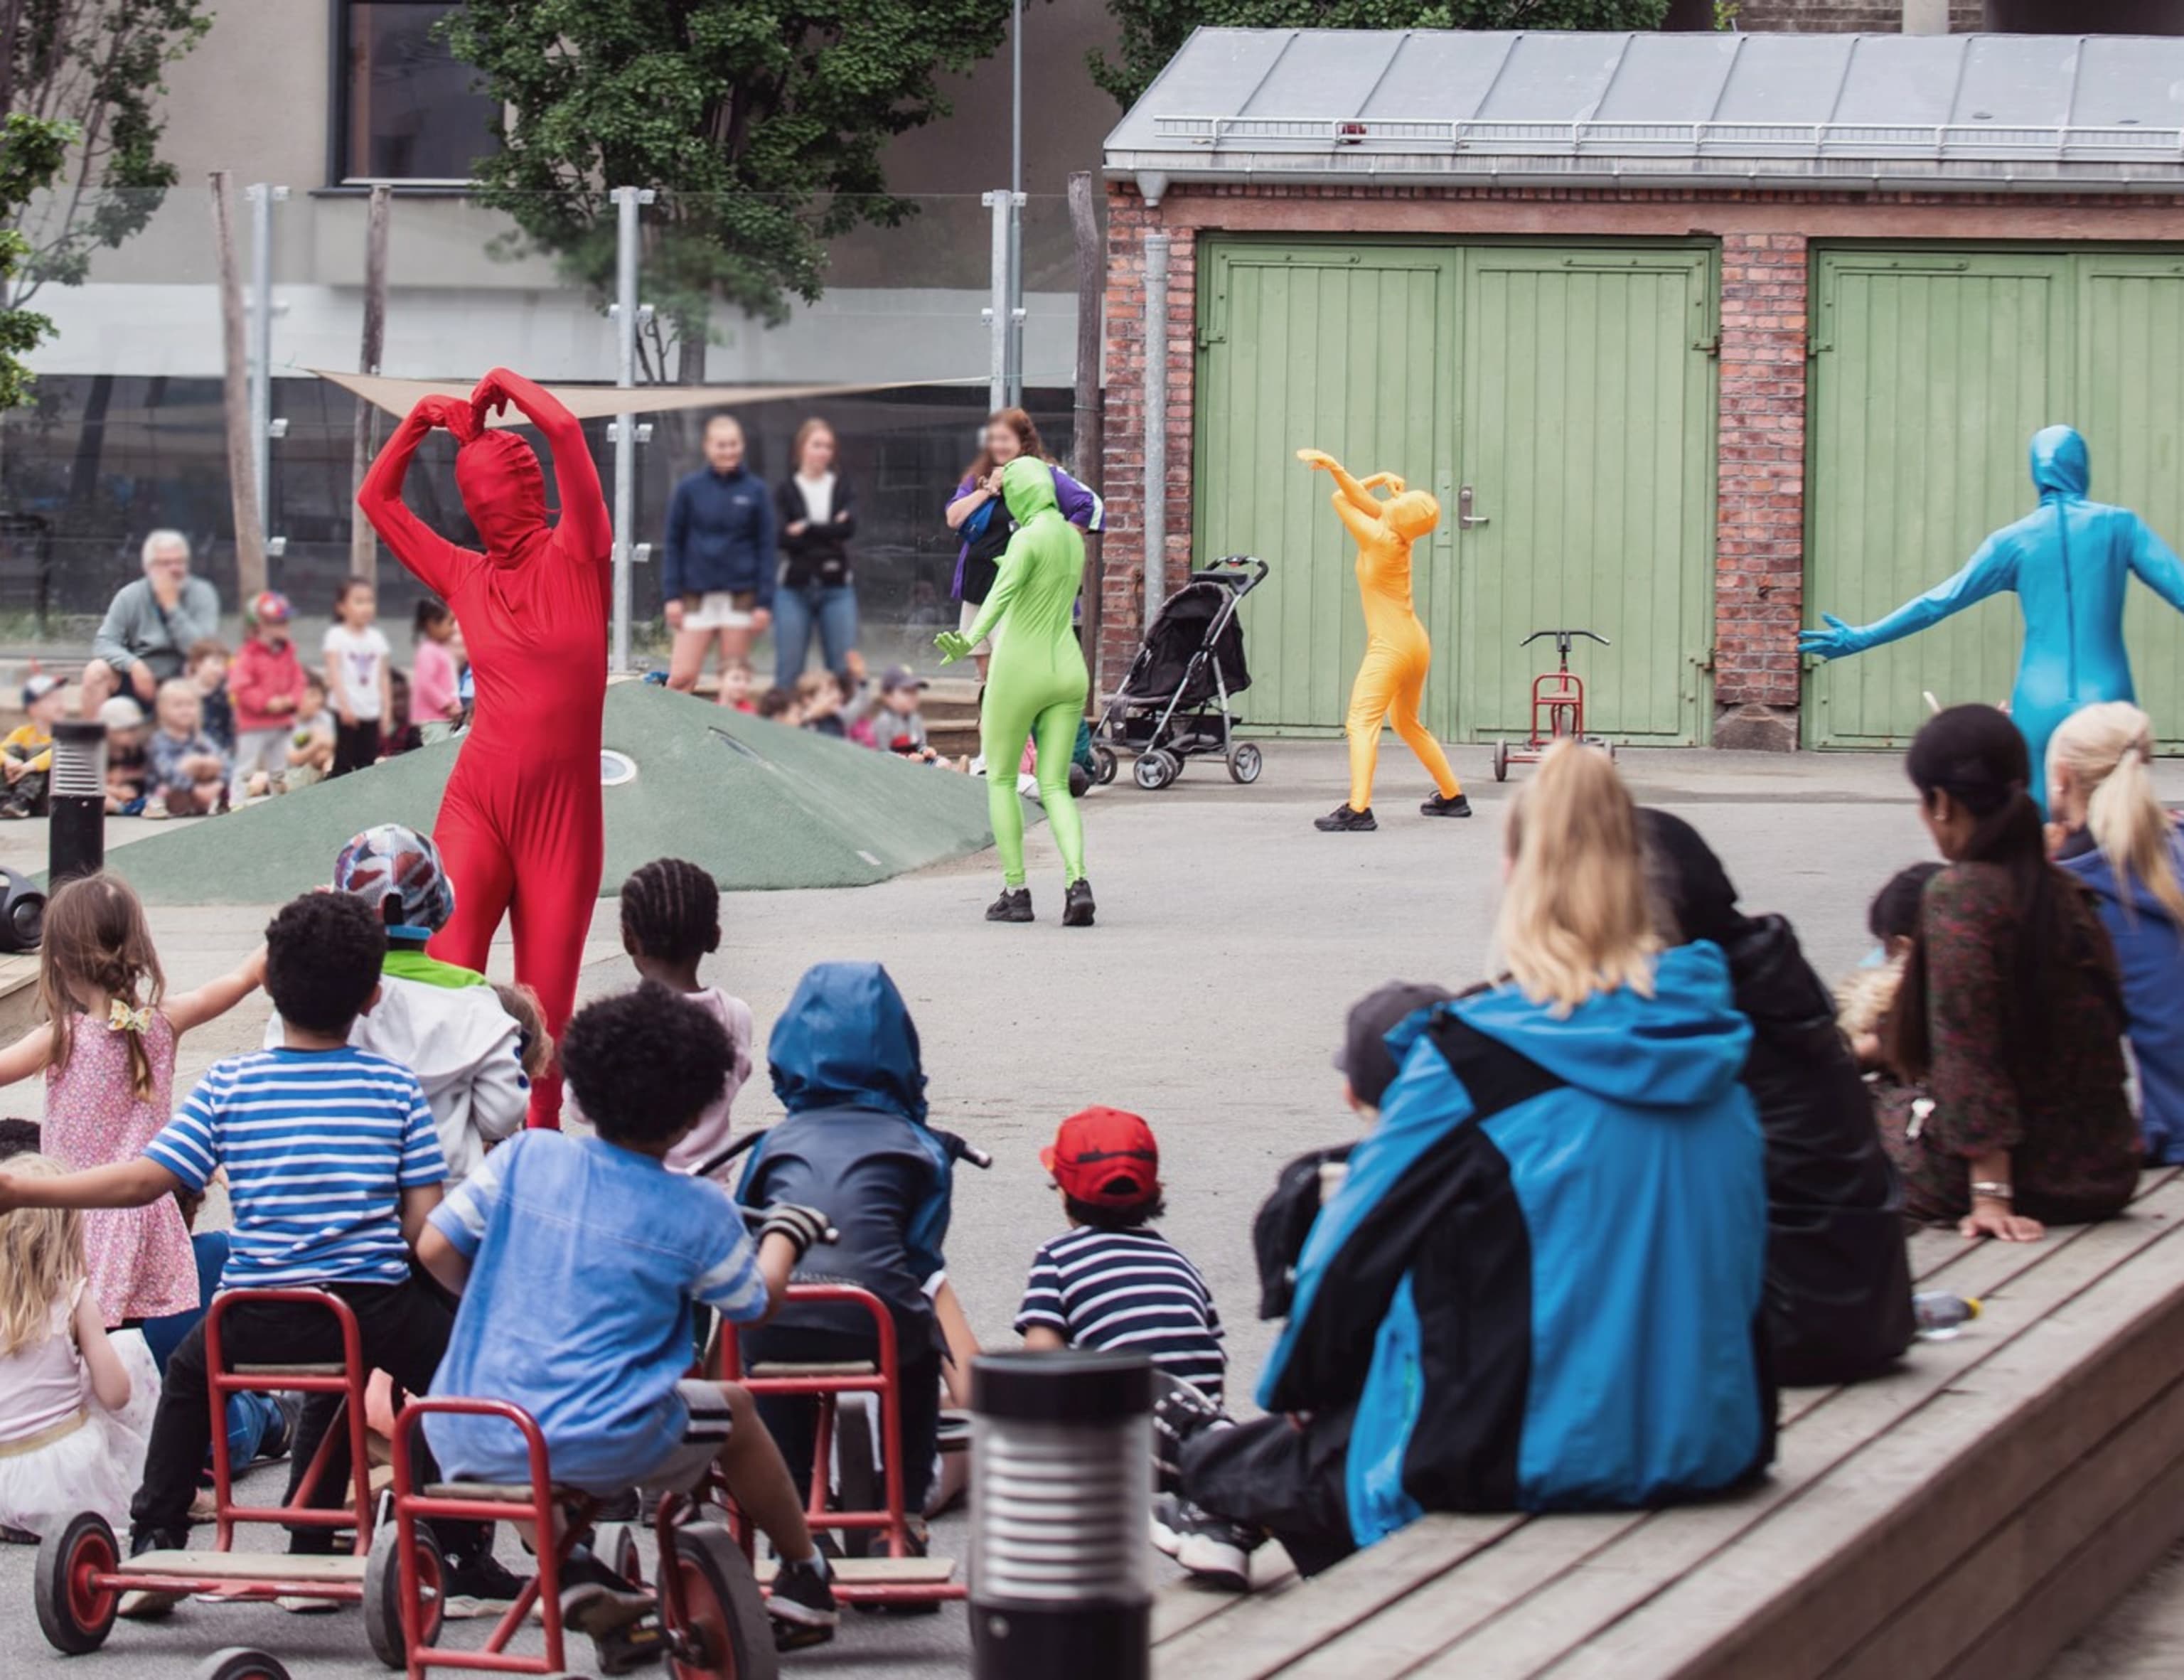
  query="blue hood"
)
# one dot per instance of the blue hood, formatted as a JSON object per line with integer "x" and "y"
{"x": 2091, "y": 865}
{"x": 846, "y": 1041}
{"x": 1683, "y": 1046}
{"x": 2059, "y": 463}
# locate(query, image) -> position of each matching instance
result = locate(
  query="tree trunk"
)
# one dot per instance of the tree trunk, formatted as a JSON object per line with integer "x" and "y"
{"x": 1087, "y": 427}
{"x": 241, "y": 465}
{"x": 692, "y": 331}
{"x": 363, "y": 540}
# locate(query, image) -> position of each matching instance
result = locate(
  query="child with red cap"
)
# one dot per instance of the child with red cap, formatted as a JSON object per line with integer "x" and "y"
{"x": 1113, "y": 1282}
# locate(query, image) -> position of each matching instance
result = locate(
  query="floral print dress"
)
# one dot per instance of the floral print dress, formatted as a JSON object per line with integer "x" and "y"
{"x": 140, "y": 1259}
{"x": 2066, "y": 1121}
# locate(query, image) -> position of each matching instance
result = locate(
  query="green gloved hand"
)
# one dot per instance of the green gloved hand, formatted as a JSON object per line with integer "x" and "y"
{"x": 954, "y": 644}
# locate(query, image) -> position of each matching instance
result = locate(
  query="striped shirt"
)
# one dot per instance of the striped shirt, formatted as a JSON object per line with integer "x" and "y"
{"x": 319, "y": 1146}
{"x": 1130, "y": 1289}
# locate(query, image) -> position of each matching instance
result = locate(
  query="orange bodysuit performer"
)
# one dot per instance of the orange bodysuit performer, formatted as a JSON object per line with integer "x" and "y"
{"x": 521, "y": 829}
{"x": 1392, "y": 680}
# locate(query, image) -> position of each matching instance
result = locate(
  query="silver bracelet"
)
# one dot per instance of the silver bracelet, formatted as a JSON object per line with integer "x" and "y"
{"x": 1988, "y": 1187}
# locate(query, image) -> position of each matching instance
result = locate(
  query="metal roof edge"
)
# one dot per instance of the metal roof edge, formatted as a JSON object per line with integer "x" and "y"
{"x": 1187, "y": 171}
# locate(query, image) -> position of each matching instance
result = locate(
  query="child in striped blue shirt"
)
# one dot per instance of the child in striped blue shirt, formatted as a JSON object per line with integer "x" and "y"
{"x": 332, "y": 1164}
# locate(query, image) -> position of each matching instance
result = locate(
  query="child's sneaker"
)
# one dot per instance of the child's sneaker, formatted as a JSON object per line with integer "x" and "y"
{"x": 624, "y": 1651}
{"x": 597, "y": 1601}
{"x": 1180, "y": 1413}
{"x": 479, "y": 1586}
{"x": 802, "y": 1606}
{"x": 1214, "y": 1551}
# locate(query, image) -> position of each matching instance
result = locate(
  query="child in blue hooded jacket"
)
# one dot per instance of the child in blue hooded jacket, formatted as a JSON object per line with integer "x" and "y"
{"x": 1539, "y": 1286}
{"x": 846, "y": 1066}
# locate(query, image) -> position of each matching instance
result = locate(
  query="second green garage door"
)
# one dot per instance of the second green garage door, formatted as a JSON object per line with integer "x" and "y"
{"x": 1571, "y": 389}
{"x": 1932, "y": 369}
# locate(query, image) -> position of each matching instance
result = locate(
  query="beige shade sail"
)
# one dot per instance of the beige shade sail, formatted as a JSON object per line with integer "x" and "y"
{"x": 603, "y": 402}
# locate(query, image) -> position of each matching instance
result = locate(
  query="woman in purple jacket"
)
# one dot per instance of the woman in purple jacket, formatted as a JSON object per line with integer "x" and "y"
{"x": 976, "y": 513}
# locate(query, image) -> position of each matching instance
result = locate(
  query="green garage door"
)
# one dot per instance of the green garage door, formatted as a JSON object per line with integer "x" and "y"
{"x": 1932, "y": 369}
{"x": 1570, "y": 389}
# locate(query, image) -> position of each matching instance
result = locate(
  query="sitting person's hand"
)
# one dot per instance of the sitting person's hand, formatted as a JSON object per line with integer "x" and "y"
{"x": 1996, "y": 1219}
{"x": 954, "y": 644}
{"x": 13, "y": 768}
{"x": 804, "y": 1227}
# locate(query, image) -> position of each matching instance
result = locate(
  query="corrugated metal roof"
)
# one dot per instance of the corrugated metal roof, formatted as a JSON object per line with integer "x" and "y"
{"x": 1975, "y": 113}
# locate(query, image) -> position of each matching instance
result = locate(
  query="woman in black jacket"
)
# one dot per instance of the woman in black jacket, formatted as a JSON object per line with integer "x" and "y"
{"x": 1838, "y": 1277}
{"x": 816, "y": 513}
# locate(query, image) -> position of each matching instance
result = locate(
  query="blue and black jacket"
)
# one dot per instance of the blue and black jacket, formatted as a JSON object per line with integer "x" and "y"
{"x": 2149, "y": 950}
{"x": 856, "y": 1146}
{"x": 1539, "y": 1287}
{"x": 720, "y": 536}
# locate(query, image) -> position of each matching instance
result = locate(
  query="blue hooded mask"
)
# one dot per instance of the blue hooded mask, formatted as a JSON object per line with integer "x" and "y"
{"x": 846, "y": 1041}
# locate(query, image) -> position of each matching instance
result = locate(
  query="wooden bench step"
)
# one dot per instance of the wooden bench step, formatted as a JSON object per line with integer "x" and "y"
{"x": 814, "y": 1372}
{"x": 246, "y": 1567}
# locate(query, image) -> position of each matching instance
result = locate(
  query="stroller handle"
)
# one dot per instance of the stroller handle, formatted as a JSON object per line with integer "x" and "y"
{"x": 1258, "y": 568}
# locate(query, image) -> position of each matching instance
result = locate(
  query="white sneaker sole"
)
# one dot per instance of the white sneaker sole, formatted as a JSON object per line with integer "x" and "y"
{"x": 1166, "y": 1541}
{"x": 1216, "y": 1562}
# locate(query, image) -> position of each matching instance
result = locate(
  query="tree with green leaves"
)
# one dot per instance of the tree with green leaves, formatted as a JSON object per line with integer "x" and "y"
{"x": 32, "y": 153}
{"x": 760, "y": 122}
{"x": 1153, "y": 30}
{"x": 95, "y": 67}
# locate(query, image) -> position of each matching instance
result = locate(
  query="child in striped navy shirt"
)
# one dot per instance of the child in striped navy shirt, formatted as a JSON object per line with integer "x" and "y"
{"x": 332, "y": 1164}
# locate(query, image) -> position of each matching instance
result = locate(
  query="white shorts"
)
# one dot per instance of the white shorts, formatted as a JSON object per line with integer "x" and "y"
{"x": 707, "y": 1431}
{"x": 717, "y": 610}
{"x": 966, "y": 619}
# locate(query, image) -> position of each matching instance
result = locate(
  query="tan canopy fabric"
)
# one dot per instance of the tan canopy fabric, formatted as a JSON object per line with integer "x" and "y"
{"x": 602, "y": 402}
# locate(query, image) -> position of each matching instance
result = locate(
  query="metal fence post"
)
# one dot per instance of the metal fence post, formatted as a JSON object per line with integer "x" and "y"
{"x": 628, "y": 234}
{"x": 1060, "y": 1505}
{"x": 262, "y": 199}
{"x": 996, "y": 312}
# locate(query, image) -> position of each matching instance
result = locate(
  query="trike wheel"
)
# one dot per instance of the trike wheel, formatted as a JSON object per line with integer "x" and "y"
{"x": 382, "y": 1593}
{"x": 1103, "y": 765}
{"x": 75, "y": 1614}
{"x": 1501, "y": 761}
{"x": 615, "y": 1545}
{"x": 724, "y": 1625}
{"x": 239, "y": 1662}
{"x": 1245, "y": 763}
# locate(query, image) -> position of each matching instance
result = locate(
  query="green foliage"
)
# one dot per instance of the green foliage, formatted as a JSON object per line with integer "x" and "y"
{"x": 32, "y": 153}
{"x": 760, "y": 122}
{"x": 1152, "y": 29}
{"x": 96, "y": 65}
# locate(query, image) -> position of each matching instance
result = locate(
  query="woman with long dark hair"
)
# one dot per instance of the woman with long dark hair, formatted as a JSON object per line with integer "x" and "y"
{"x": 977, "y": 515}
{"x": 815, "y": 509}
{"x": 2010, "y": 1007}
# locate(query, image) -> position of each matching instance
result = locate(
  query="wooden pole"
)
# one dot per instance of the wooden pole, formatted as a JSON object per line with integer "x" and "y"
{"x": 1088, "y": 429}
{"x": 363, "y": 540}
{"x": 241, "y": 467}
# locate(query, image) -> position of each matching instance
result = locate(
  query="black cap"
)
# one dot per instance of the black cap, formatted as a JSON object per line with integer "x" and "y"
{"x": 1364, "y": 1058}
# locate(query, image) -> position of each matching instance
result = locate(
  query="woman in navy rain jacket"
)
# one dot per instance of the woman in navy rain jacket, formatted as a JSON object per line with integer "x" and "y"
{"x": 1539, "y": 1286}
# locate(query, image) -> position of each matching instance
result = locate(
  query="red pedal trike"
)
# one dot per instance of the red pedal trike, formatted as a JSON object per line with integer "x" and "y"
{"x": 1557, "y": 706}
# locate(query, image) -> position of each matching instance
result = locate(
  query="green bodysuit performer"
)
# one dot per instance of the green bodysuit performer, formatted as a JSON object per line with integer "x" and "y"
{"x": 1036, "y": 687}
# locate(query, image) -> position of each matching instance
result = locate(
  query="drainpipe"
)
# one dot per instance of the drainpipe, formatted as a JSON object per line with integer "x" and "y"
{"x": 1925, "y": 17}
{"x": 1155, "y": 421}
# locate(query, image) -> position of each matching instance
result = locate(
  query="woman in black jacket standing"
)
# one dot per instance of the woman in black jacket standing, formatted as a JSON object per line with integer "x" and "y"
{"x": 817, "y": 515}
{"x": 1838, "y": 1298}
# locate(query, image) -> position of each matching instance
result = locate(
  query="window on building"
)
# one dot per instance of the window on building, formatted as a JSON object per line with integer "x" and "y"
{"x": 409, "y": 112}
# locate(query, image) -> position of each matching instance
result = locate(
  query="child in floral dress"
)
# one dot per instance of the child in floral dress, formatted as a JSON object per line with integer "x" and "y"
{"x": 107, "y": 1053}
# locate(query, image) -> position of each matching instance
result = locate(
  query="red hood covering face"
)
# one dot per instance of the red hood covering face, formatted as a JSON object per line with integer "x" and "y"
{"x": 505, "y": 492}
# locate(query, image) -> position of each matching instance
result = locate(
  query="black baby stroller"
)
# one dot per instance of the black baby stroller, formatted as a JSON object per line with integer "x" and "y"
{"x": 1174, "y": 703}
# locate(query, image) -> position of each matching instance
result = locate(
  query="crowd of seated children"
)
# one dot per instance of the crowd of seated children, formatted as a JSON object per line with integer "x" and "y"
{"x": 26, "y": 755}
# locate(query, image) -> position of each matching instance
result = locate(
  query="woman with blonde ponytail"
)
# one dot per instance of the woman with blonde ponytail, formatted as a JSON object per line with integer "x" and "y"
{"x": 2114, "y": 834}
{"x": 1562, "y": 1204}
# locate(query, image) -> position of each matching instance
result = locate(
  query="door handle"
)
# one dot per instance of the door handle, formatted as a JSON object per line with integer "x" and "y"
{"x": 1465, "y": 520}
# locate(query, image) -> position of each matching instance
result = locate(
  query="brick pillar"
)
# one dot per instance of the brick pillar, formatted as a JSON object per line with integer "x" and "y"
{"x": 1759, "y": 536}
{"x": 1122, "y": 607}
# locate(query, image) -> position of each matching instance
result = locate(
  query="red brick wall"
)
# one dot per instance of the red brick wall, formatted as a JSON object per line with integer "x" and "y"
{"x": 1760, "y": 530}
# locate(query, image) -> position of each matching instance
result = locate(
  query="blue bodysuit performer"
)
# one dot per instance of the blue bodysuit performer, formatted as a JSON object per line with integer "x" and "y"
{"x": 2069, "y": 560}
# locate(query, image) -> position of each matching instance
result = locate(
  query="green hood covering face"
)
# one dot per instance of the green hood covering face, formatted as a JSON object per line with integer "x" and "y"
{"x": 1028, "y": 488}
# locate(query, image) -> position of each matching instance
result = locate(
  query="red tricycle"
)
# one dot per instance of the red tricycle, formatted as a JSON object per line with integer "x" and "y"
{"x": 1557, "y": 706}
{"x": 81, "y": 1575}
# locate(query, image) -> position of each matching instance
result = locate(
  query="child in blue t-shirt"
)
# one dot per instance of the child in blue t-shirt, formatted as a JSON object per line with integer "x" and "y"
{"x": 578, "y": 1260}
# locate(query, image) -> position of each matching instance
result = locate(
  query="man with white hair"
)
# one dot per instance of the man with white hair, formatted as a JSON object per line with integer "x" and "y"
{"x": 149, "y": 627}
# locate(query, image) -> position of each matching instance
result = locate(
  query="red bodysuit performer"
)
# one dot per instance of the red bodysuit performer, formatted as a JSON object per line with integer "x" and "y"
{"x": 520, "y": 827}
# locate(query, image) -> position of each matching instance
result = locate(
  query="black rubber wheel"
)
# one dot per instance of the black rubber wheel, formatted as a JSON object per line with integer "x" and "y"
{"x": 1103, "y": 765}
{"x": 725, "y": 1623}
{"x": 1150, "y": 771}
{"x": 1501, "y": 761}
{"x": 76, "y": 1616}
{"x": 1245, "y": 763}
{"x": 240, "y": 1662}
{"x": 615, "y": 1545}
{"x": 383, "y": 1593}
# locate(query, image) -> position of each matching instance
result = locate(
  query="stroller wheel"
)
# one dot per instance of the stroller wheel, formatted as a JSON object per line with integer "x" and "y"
{"x": 1103, "y": 765}
{"x": 1245, "y": 763}
{"x": 1154, "y": 771}
{"x": 1501, "y": 761}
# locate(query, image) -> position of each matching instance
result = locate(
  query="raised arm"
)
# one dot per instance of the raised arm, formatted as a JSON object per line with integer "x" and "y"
{"x": 2156, "y": 564}
{"x": 583, "y": 506}
{"x": 216, "y": 997}
{"x": 1349, "y": 488}
{"x": 1990, "y": 570}
{"x": 436, "y": 563}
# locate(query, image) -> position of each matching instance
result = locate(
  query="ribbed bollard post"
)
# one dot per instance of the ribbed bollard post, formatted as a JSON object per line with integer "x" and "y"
{"x": 75, "y": 843}
{"x": 1060, "y": 1516}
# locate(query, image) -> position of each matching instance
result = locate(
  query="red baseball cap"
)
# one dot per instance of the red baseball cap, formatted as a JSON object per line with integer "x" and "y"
{"x": 1105, "y": 1158}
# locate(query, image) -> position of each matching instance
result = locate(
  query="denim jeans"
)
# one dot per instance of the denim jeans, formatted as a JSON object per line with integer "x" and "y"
{"x": 831, "y": 610}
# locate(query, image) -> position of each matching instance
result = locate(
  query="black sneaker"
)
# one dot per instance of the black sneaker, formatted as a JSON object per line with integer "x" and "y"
{"x": 15, "y": 809}
{"x": 1215, "y": 1551}
{"x": 281, "y": 1436}
{"x": 1342, "y": 820}
{"x": 1014, "y": 905}
{"x": 595, "y": 1600}
{"x": 620, "y": 1507}
{"x": 1179, "y": 1412}
{"x": 479, "y": 1586}
{"x": 624, "y": 1649}
{"x": 1456, "y": 805}
{"x": 1077, "y": 905}
{"x": 802, "y": 1606}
